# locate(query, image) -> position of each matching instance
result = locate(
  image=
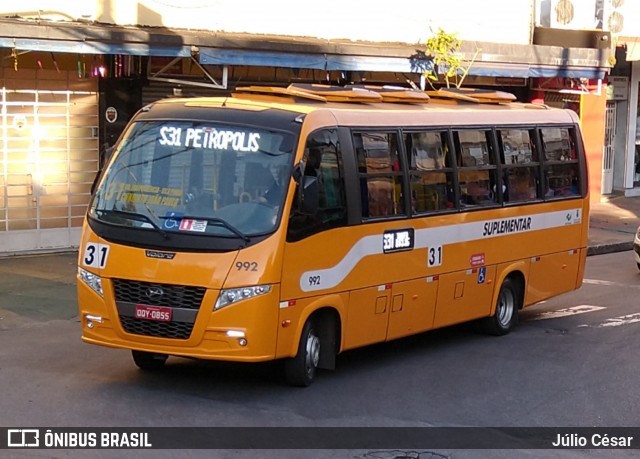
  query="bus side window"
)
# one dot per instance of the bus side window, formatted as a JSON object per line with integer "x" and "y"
{"x": 561, "y": 166}
{"x": 323, "y": 162}
{"x": 520, "y": 165}
{"x": 477, "y": 179}
{"x": 380, "y": 174}
{"x": 430, "y": 176}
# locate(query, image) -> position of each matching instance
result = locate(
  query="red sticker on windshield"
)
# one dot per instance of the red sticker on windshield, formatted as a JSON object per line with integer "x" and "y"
{"x": 187, "y": 224}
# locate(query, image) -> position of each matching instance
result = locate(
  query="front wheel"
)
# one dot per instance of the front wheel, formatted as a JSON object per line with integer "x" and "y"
{"x": 505, "y": 317}
{"x": 301, "y": 369}
{"x": 149, "y": 361}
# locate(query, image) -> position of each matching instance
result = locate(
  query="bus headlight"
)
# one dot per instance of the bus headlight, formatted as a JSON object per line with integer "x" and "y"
{"x": 92, "y": 280}
{"x": 233, "y": 295}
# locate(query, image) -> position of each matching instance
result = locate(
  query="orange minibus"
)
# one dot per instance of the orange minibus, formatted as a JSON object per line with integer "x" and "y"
{"x": 297, "y": 223}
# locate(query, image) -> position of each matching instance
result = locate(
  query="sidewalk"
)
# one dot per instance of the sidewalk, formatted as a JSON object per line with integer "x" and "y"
{"x": 613, "y": 224}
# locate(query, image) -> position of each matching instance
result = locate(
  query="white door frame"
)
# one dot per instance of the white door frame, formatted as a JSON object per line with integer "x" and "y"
{"x": 608, "y": 153}
{"x": 629, "y": 170}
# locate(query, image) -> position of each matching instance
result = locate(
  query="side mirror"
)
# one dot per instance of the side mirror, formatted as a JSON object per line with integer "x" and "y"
{"x": 298, "y": 172}
{"x": 310, "y": 195}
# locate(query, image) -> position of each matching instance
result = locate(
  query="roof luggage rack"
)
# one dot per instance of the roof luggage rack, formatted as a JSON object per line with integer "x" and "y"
{"x": 367, "y": 93}
{"x": 481, "y": 96}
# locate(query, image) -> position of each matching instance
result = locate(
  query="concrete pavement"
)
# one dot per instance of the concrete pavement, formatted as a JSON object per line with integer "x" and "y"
{"x": 37, "y": 287}
{"x": 42, "y": 287}
{"x": 613, "y": 224}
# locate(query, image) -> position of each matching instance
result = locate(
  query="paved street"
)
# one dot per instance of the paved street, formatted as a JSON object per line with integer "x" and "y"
{"x": 37, "y": 288}
{"x": 566, "y": 365}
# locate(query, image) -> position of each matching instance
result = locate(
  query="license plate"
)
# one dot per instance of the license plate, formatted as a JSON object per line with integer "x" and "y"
{"x": 157, "y": 313}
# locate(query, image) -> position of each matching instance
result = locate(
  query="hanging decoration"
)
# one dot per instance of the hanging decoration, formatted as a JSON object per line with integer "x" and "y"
{"x": 55, "y": 63}
{"x": 14, "y": 54}
{"x": 122, "y": 66}
{"x": 82, "y": 66}
{"x": 118, "y": 66}
{"x": 97, "y": 68}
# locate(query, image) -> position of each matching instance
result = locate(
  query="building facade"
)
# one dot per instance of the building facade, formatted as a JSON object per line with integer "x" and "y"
{"x": 73, "y": 75}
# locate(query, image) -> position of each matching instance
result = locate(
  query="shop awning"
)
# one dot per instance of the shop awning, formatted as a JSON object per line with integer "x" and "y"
{"x": 349, "y": 63}
{"x": 229, "y": 49}
{"x": 94, "y": 47}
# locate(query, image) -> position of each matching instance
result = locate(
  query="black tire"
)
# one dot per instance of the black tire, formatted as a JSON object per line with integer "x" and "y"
{"x": 301, "y": 370}
{"x": 149, "y": 361}
{"x": 505, "y": 316}
{"x": 638, "y": 265}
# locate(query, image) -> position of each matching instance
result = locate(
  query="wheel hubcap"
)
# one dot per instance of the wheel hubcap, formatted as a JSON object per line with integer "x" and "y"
{"x": 506, "y": 308}
{"x": 313, "y": 352}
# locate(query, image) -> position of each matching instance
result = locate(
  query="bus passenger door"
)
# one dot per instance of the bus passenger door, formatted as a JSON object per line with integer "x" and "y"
{"x": 464, "y": 295}
{"x": 367, "y": 316}
{"x": 412, "y": 306}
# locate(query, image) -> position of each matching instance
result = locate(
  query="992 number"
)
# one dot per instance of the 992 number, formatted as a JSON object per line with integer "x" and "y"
{"x": 314, "y": 281}
{"x": 247, "y": 266}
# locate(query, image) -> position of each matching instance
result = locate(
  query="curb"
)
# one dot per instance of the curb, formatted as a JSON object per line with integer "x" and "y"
{"x": 609, "y": 248}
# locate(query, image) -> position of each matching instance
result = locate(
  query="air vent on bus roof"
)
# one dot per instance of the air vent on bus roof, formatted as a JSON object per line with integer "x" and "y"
{"x": 338, "y": 93}
{"x": 486, "y": 96}
{"x": 397, "y": 93}
{"x": 270, "y": 92}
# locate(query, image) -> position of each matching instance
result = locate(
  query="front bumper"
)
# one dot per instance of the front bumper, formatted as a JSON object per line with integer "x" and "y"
{"x": 242, "y": 332}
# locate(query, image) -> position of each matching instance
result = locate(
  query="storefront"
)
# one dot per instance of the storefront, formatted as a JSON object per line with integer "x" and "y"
{"x": 48, "y": 153}
{"x": 623, "y": 113}
{"x": 64, "y": 100}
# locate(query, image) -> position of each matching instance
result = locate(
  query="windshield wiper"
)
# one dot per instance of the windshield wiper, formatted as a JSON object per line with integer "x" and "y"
{"x": 134, "y": 216}
{"x": 274, "y": 154}
{"x": 213, "y": 220}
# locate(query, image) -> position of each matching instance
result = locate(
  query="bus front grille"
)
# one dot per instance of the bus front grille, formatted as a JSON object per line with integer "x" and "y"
{"x": 176, "y": 330}
{"x": 155, "y": 294}
{"x": 184, "y": 302}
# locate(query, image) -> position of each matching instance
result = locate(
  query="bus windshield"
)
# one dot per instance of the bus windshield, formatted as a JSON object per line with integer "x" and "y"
{"x": 196, "y": 178}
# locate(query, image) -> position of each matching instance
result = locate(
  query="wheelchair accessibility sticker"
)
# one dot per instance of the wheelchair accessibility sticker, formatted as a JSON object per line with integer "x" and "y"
{"x": 482, "y": 274}
{"x": 171, "y": 220}
{"x": 176, "y": 221}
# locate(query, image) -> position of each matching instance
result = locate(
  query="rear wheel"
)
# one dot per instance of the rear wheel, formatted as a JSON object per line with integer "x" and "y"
{"x": 301, "y": 369}
{"x": 149, "y": 361}
{"x": 506, "y": 314}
